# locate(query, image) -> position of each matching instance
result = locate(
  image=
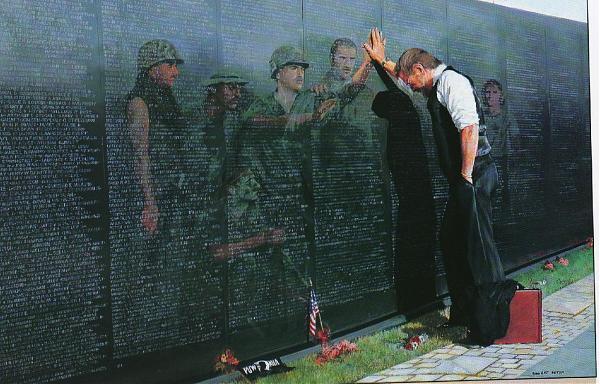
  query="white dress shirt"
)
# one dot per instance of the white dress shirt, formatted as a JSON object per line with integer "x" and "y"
{"x": 454, "y": 92}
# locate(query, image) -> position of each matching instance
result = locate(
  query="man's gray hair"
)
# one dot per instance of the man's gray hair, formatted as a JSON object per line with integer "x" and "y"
{"x": 414, "y": 56}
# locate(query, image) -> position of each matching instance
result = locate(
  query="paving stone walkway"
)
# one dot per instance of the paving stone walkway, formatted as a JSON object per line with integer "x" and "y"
{"x": 566, "y": 314}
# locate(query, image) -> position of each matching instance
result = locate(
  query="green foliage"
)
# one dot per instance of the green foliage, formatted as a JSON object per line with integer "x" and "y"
{"x": 384, "y": 349}
{"x": 581, "y": 264}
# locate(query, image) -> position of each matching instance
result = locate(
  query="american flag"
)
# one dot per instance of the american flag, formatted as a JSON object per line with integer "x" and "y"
{"x": 313, "y": 312}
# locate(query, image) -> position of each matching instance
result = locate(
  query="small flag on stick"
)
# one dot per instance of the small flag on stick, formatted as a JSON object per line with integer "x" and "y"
{"x": 313, "y": 312}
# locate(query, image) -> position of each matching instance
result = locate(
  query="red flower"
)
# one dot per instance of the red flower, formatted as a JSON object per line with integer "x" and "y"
{"x": 562, "y": 261}
{"x": 322, "y": 336}
{"x": 549, "y": 266}
{"x": 347, "y": 347}
{"x": 226, "y": 361}
{"x": 415, "y": 341}
{"x": 335, "y": 351}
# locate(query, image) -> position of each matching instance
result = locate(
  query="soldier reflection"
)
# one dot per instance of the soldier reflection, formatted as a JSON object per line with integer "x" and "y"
{"x": 352, "y": 131}
{"x": 155, "y": 126}
{"x": 275, "y": 151}
{"x": 503, "y": 135}
{"x": 232, "y": 191}
{"x": 277, "y": 138}
{"x": 157, "y": 132}
{"x": 340, "y": 78}
{"x": 350, "y": 167}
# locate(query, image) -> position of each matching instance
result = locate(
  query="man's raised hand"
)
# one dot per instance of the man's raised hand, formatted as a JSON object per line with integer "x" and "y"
{"x": 375, "y": 46}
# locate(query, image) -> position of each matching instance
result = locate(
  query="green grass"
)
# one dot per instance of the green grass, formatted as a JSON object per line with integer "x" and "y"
{"x": 383, "y": 350}
{"x": 376, "y": 353}
{"x": 581, "y": 264}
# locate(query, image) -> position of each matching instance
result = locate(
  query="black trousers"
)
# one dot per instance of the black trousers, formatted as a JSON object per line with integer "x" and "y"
{"x": 470, "y": 255}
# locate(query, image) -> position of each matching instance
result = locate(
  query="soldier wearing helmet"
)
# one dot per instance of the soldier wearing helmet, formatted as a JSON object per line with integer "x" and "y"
{"x": 287, "y": 114}
{"x": 215, "y": 129}
{"x": 289, "y": 103}
{"x": 155, "y": 126}
{"x": 276, "y": 149}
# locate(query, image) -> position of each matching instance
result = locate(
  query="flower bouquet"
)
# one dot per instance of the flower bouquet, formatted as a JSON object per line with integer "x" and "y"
{"x": 329, "y": 353}
{"x": 226, "y": 362}
{"x": 415, "y": 342}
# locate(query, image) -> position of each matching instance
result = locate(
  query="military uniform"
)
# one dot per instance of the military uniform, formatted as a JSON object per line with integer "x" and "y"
{"x": 276, "y": 152}
{"x": 166, "y": 137}
{"x": 279, "y": 155}
{"x": 502, "y": 132}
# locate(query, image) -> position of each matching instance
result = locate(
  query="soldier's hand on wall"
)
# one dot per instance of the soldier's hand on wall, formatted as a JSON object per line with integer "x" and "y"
{"x": 220, "y": 251}
{"x": 319, "y": 89}
{"x": 300, "y": 118}
{"x": 276, "y": 236}
{"x": 324, "y": 108}
{"x": 150, "y": 217}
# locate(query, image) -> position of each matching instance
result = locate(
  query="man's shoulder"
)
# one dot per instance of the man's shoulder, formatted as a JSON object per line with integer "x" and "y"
{"x": 305, "y": 102}
{"x": 263, "y": 103}
{"x": 450, "y": 77}
{"x": 264, "y": 99}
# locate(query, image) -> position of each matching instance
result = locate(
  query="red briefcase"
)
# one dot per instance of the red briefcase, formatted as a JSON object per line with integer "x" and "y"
{"x": 525, "y": 324}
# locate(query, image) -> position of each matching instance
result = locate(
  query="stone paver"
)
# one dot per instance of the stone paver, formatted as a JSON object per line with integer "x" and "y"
{"x": 442, "y": 356}
{"x": 399, "y": 372}
{"x": 513, "y": 372}
{"x": 394, "y": 379}
{"x": 566, "y": 314}
{"x": 371, "y": 379}
{"x": 472, "y": 365}
{"x": 427, "y": 365}
{"x": 424, "y": 378}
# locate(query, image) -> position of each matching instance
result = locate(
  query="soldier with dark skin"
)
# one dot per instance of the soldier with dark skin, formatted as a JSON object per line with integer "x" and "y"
{"x": 220, "y": 124}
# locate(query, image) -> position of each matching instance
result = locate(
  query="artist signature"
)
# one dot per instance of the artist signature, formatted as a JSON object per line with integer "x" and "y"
{"x": 546, "y": 373}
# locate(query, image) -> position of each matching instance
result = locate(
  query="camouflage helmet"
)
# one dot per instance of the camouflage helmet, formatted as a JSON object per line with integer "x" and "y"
{"x": 224, "y": 77}
{"x": 285, "y": 55}
{"x": 156, "y": 51}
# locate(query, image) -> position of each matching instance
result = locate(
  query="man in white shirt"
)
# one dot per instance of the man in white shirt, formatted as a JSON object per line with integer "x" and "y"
{"x": 471, "y": 259}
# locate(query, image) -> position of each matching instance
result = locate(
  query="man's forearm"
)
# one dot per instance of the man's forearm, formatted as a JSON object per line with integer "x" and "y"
{"x": 387, "y": 80}
{"x": 469, "y": 137}
{"x": 142, "y": 171}
{"x": 265, "y": 121}
{"x": 362, "y": 74}
{"x": 389, "y": 66}
{"x": 139, "y": 126}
